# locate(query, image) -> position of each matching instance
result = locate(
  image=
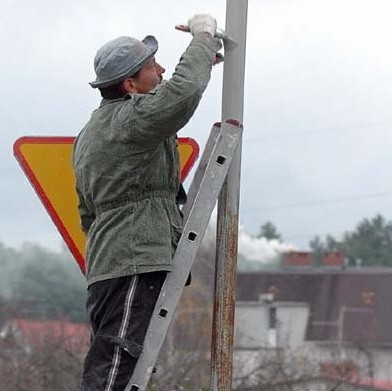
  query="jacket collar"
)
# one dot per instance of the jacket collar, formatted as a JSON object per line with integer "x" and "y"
{"x": 105, "y": 102}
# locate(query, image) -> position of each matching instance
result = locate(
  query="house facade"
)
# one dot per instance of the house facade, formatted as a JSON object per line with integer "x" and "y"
{"x": 336, "y": 317}
{"x": 23, "y": 336}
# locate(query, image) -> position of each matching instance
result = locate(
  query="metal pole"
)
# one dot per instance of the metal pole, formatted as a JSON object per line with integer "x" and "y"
{"x": 228, "y": 205}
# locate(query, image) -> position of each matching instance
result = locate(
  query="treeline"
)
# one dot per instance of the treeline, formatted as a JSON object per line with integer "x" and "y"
{"x": 368, "y": 244}
{"x": 36, "y": 282}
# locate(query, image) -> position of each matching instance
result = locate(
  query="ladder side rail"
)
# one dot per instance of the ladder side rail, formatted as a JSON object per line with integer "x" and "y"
{"x": 195, "y": 184}
{"x": 189, "y": 243}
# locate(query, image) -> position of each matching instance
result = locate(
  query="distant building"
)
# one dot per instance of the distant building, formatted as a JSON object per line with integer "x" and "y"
{"x": 341, "y": 314}
{"x": 23, "y": 336}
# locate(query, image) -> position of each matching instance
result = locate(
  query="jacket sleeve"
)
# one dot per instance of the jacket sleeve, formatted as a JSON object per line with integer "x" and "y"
{"x": 164, "y": 111}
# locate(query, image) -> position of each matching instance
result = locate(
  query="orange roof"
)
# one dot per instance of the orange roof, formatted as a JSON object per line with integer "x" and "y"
{"x": 378, "y": 384}
{"x": 40, "y": 333}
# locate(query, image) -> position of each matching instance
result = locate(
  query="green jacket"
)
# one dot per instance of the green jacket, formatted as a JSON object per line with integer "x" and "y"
{"x": 127, "y": 171}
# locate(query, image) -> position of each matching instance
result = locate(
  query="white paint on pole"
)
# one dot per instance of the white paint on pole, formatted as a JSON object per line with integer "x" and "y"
{"x": 234, "y": 64}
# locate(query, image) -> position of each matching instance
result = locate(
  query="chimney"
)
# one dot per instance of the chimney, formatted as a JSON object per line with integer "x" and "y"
{"x": 333, "y": 258}
{"x": 297, "y": 258}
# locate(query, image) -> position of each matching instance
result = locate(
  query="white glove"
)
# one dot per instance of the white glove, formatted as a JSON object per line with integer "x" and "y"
{"x": 202, "y": 23}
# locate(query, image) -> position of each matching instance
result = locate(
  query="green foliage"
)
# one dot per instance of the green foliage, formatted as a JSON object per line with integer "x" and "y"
{"x": 371, "y": 242}
{"x": 43, "y": 283}
{"x": 318, "y": 248}
{"x": 269, "y": 231}
{"x": 10, "y": 269}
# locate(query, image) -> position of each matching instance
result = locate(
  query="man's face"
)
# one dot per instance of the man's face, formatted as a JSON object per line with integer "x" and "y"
{"x": 148, "y": 77}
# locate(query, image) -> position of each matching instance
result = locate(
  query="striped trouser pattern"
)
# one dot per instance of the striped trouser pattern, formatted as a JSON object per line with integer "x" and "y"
{"x": 120, "y": 310}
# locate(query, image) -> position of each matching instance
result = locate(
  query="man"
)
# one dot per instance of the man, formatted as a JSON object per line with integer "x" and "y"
{"x": 127, "y": 179}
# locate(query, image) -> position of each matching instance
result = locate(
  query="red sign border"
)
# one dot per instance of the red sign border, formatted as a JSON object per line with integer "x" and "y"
{"x": 45, "y": 200}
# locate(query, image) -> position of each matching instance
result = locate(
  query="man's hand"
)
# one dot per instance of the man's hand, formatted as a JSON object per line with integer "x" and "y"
{"x": 197, "y": 23}
{"x": 202, "y": 23}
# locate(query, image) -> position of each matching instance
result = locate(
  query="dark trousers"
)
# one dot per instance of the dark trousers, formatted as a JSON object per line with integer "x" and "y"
{"x": 120, "y": 310}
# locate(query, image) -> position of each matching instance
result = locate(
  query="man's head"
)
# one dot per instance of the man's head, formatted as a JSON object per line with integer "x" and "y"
{"x": 127, "y": 65}
{"x": 146, "y": 79}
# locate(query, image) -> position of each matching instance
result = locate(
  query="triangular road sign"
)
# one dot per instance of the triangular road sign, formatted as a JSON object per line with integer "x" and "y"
{"x": 46, "y": 161}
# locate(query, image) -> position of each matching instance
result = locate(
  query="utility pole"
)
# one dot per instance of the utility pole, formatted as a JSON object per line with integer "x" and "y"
{"x": 228, "y": 205}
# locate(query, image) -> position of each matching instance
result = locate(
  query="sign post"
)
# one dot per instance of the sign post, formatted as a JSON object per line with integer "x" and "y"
{"x": 228, "y": 205}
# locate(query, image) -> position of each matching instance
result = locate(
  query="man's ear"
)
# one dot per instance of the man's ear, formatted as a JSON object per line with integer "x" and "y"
{"x": 128, "y": 86}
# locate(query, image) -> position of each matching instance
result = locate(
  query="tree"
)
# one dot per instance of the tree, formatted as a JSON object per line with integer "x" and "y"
{"x": 371, "y": 242}
{"x": 50, "y": 284}
{"x": 318, "y": 247}
{"x": 55, "y": 365}
{"x": 269, "y": 231}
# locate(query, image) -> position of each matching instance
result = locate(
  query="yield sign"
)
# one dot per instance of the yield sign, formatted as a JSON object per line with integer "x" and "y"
{"x": 46, "y": 161}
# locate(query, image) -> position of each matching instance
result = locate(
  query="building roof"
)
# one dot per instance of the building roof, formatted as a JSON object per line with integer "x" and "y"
{"x": 346, "y": 305}
{"x": 38, "y": 333}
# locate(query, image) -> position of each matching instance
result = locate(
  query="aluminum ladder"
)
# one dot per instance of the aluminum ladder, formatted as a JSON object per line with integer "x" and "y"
{"x": 202, "y": 196}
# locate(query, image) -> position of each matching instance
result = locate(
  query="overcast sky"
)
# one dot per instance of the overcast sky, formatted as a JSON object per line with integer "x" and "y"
{"x": 317, "y": 125}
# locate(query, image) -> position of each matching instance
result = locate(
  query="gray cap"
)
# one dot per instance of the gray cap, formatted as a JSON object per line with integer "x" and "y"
{"x": 121, "y": 58}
